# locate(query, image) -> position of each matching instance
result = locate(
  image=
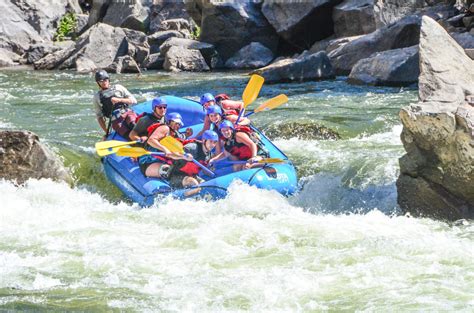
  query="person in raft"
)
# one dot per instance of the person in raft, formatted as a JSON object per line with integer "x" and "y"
{"x": 184, "y": 172}
{"x": 228, "y": 110}
{"x": 112, "y": 103}
{"x": 145, "y": 120}
{"x": 239, "y": 145}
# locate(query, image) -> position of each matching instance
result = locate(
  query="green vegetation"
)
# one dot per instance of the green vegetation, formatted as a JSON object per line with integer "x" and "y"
{"x": 196, "y": 33}
{"x": 66, "y": 27}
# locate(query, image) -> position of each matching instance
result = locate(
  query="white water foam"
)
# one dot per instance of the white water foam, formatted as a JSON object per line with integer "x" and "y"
{"x": 252, "y": 251}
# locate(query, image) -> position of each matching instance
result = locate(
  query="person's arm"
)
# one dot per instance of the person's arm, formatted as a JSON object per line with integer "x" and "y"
{"x": 232, "y": 105}
{"x": 154, "y": 139}
{"x": 98, "y": 112}
{"x": 206, "y": 126}
{"x": 137, "y": 130}
{"x": 233, "y": 118}
{"x": 126, "y": 98}
{"x": 101, "y": 121}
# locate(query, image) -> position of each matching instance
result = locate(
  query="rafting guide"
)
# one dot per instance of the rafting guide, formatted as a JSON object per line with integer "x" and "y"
{"x": 111, "y": 104}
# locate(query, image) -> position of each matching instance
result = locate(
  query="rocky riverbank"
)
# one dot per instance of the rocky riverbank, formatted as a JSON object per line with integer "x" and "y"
{"x": 372, "y": 41}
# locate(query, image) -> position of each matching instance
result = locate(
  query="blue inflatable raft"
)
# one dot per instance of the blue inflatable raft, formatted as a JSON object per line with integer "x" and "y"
{"x": 124, "y": 172}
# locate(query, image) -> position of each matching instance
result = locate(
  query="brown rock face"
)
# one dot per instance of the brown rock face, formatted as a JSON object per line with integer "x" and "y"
{"x": 22, "y": 156}
{"x": 437, "y": 173}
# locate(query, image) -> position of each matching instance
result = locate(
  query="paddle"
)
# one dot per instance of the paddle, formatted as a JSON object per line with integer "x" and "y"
{"x": 136, "y": 152}
{"x": 262, "y": 161}
{"x": 251, "y": 92}
{"x": 177, "y": 147}
{"x": 113, "y": 144}
{"x": 104, "y": 152}
{"x": 270, "y": 104}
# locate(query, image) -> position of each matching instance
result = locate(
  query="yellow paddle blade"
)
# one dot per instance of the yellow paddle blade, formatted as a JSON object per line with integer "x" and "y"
{"x": 252, "y": 89}
{"x": 271, "y": 160}
{"x": 132, "y": 152}
{"x": 112, "y": 144}
{"x": 104, "y": 152}
{"x": 272, "y": 103}
{"x": 172, "y": 144}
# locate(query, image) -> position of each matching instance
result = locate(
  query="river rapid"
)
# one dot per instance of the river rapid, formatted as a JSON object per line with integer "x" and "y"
{"x": 340, "y": 244}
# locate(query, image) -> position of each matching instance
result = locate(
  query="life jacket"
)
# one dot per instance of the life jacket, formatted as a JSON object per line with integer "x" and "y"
{"x": 177, "y": 135}
{"x": 240, "y": 150}
{"x": 190, "y": 168}
{"x": 149, "y": 158}
{"x": 105, "y": 98}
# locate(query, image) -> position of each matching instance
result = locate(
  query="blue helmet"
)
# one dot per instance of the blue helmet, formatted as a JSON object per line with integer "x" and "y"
{"x": 214, "y": 109}
{"x": 210, "y": 135}
{"x": 226, "y": 124}
{"x": 206, "y": 98}
{"x": 160, "y": 101}
{"x": 175, "y": 117}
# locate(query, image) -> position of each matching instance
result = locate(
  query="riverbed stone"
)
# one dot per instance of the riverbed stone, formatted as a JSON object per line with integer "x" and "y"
{"x": 305, "y": 67}
{"x": 437, "y": 172}
{"x": 398, "y": 67}
{"x": 302, "y": 130}
{"x": 23, "y": 156}
{"x": 179, "y": 58}
{"x": 207, "y": 50}
{"x": 254, "y": 55}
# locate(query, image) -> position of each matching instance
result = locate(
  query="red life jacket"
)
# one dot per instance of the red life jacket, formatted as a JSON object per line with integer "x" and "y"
{"x": 240, "y": 150}
{"x": 190, "y": 168}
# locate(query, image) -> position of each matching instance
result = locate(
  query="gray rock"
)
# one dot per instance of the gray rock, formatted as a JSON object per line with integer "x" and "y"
{"x": 102, "y": 43}
{"x": 137, "y": 45}
{"x": 127, "y": 14}
{"x": 300, "y": 130}
{"x": 154, "y": 62}
{"x": 163, "y": 10}
{"x": 179, "y": 58}
{"x": 354, "y": 17}
{"x": 207, "y": 50}
{"x": 22, "y": 157}
{"x": 397, "y": 67}
{"x": 85, "y": 65}
{"x": 254, "y": 55}
{"x": 437, "y": 173}
{"x": 465, "y": 40}
{"x": 97, "y": 12}
{"x": 38, "y": 51}
{"x": 124, "y": 64}
{"x": 157, "y": 39}
{"x": 178, "y": 24}
{"x": 6, "y": 58}
{"x": 404, "y": 33}
{"x": 302, "y": 23}
{"x": 470, "y": 53}
{"x": 194, "y": 8}
{"x": 81, "y": 24}
{"x": 231, "y": 25}
{"x": 310, "y": 67}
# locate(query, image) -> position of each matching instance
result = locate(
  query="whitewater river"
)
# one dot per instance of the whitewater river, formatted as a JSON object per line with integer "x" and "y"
{"x": 340, "y": 244}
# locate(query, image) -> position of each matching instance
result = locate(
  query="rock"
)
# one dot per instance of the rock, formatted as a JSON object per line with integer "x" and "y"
{"x": 470, "y": 53}
{"x": 137, "y": 45}
{"x": 465, "y": 40}
{"x": 437, "y": 172}
{"x": 390, "y": 11}
{"x": 124, "y": 64}
{"x": 6, "y": 58}
{"x": 153, "y": 62}
{"x": 178, "y": 24}
{"x": 300, "y": 130}
{"x": 254, "y": 55}
{"x": 404, "y": 33}
{"x": 231, "y": 25}
{"x": 109, "y": 41}
{"x": 302, "y": 23}
{"x": 320, "y": 45}
{"x": 38, "y": 51}
{"x": 207, "y": 50}
{"x": 163, "y": 10}
{"x": 81, "y": 24}
{"x": 179, "y": 58}
{"x": 85, "y": 65}
{"x": 127, "y": 14}
{"x": 157, "y": 39}
{"x": 22, "y": 157}
{"x": 310, "y": 67}
{"x": 354, "y": 17}
{"x": 97, "y": 12}
{"x": 398, "y": 67}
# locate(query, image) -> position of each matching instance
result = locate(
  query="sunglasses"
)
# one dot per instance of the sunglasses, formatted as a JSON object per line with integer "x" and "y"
{"x": 161, "y": 107}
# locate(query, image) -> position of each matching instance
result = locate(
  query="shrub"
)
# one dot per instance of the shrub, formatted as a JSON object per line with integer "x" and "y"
{"x": 66, "y": 27}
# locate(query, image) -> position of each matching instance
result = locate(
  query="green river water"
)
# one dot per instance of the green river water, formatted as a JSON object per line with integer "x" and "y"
{"x": 340, "y": 244}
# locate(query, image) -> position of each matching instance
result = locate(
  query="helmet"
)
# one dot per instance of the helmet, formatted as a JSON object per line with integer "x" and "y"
{"x": 210, "y": 135}
{"x": 206, "y": 98}
{"x": 226, "y": 124}
{"x": 160, "y": 101}
{"x": 175, "y": 117}
{"x": 214, "y": 109}
{"x": 101, "y": 75}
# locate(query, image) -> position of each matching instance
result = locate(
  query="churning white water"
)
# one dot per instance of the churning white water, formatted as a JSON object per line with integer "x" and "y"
{"x": 68, "y": 248}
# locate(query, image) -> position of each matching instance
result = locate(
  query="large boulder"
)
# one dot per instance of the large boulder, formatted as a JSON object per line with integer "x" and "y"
{"x": 254, "y": 55}
{"x": 231, "y": 25}
{"x": 465, "y": 40}
{"x": 303, "y": 68}
{"x": 102, "y": 44}
{"x": 207, "y": 50}
{"x": 6, "y": 59}
{"x": 22, "y": 157}
{"x": 179, "y": 58}
{"x": 158, "y": 38}
{"x": 163, "y": 10}
{"x": 178, "y": 24}
{"x": 38, "y": 51}
{"x": 397, "y": 67}
{"x": 354, "y": 17}
{"x": 127, "y": 14}
{"x": 302, "y": 23}
{"x": 437, "y": 172}
{"x": 404, "y": 33}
